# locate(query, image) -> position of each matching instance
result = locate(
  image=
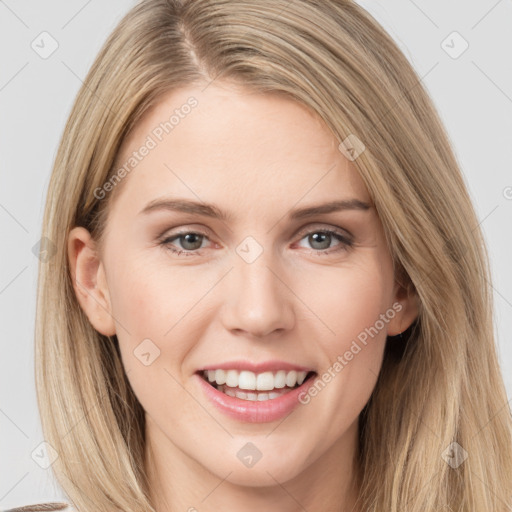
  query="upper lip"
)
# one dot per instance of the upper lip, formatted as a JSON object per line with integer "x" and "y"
{"x": 264, "y": 366}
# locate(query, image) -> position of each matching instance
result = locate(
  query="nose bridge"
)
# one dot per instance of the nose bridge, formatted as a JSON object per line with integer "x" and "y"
{"x": 259, "y": 301}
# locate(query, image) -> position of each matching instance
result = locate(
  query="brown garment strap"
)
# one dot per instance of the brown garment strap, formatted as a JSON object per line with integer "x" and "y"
{"x": 40, "y": 507}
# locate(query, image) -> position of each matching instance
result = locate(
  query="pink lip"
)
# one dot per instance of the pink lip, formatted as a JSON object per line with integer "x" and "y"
{"x": 254, "y": 412}
{"x": 266, "y": 366}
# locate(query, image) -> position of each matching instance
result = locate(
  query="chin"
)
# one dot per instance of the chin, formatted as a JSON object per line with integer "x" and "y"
{"x": 267, "y": 471}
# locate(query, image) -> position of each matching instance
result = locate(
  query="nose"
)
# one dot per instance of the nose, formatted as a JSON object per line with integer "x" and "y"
{"x": 258, "y": 298}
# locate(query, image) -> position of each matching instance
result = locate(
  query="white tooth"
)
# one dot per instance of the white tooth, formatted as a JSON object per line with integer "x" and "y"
{"x": 241, "y": 395}
{"x": 273, "y": 395}
{"x": 262, "y": 397}
{"x": 300, "y": 377}
{"x": 232, "y": 378}
{"x": 247, "y": 380}
{"x": 265, "y": 381}
{"x": 252, "y": 396}
{"x": 229, "y": 392}
{"x": 220, "y": 376}
{"x": 291, "y": 378}
{"x": 280, "y": 379}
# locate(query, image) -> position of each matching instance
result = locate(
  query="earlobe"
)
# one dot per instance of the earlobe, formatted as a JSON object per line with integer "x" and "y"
{"x": 89, "y": 281}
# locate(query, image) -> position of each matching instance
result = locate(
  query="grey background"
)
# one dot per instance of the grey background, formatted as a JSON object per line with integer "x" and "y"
{"x": 473, "y": 94}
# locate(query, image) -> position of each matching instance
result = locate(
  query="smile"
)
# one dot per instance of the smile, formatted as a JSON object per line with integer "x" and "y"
{"x": 256, "y": 387}
{"x": 255, "y": 393}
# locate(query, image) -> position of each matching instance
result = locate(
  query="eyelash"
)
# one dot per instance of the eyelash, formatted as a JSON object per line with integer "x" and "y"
{"x": 345, "y": 244}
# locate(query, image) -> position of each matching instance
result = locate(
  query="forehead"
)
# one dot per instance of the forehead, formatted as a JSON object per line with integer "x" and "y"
{"x": 229, "y": 141}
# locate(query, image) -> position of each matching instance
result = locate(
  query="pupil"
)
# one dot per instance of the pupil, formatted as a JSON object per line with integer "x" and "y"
{"x": 326, "y": 237}
{"x": 187, "y": 240}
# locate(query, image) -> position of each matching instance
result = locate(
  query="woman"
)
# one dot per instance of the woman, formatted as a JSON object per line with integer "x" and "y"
{"x": 258, "y": 370}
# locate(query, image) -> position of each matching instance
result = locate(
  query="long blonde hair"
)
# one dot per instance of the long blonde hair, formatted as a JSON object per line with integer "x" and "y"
{"x": 440, "y": 383}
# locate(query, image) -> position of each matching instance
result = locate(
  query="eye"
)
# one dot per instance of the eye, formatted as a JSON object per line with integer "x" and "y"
{"x": 190, "y": 241}
{"x": 321, "y": 239}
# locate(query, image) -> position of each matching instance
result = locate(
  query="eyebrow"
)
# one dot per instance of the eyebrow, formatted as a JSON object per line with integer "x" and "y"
{"x": 210, "y": 210}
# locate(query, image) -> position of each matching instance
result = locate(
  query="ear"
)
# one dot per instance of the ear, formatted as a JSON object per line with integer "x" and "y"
{"x": 409, "y": 309}
{"x": 89, "y": 280}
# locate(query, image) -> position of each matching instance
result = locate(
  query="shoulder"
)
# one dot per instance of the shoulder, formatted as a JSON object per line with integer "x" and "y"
{"x": 43, "y": 507}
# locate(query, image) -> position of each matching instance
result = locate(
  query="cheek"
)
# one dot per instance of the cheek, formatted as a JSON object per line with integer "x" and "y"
{"x": 350, "y": 301}
{"x": 147, "y": 304}
{"x": 151, "y": 317}
{"x": 354, "y": 304}
{"x": 148, "y": 297}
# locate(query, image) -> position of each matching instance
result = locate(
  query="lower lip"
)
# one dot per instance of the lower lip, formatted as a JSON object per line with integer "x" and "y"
{"x": 254, "y": 411}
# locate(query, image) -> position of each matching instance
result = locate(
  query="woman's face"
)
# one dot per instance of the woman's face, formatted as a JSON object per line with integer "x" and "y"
{"x": 254, "y": 284}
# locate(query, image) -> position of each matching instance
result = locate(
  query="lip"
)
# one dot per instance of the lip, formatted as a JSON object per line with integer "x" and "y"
{"x": 265, "y": 366}
{"x": 254, "y": 412}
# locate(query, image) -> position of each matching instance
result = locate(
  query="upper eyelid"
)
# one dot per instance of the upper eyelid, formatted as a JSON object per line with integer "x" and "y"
{"x": 315, "y": 226}
{"x": 324, "y": 227}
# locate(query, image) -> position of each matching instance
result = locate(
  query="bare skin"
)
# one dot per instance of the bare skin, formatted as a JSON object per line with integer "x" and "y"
{"x": 303, "y": 300}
